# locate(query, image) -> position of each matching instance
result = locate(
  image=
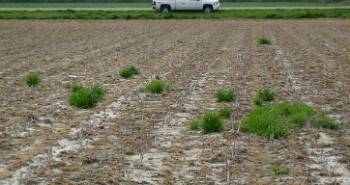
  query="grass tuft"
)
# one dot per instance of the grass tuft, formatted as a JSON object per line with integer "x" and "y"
{"x": 225, "y": 96}
{"x": 274, "y": 121}
{"x": 327, "y": 123}
{"x": 225, "y": 112}
{"x": 157, "y": 86}
{"x": 212, "y": 122}
{"x": 195, "y": 125}
{"x": 264, "y": 95}
{"x": 279, "y": 170}
{"x": 129, "y": 71}
{"x": 264, "y": 41}
{"x": 32, "y": 79}
{"x": 86, "y": 97}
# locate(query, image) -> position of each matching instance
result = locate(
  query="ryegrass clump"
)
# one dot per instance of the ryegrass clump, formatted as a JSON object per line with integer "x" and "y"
{"x": 32, "y": 79}
{"x": 275, "y": 120}
{"x": 225, "y": 112}
{"x": 264, "y": 95}
{"x": 264, "y": 41}
{"x": 327, "y": 123}
{"x": 86, "y": 97}
{"x": 212, "y": 122}
{"x": 129, "y": 71}
{"x": 225, "y": 96}
{"x": 279, "y": 170}
{"x": 157, "y": 86}
{"x": 195, "y": 125}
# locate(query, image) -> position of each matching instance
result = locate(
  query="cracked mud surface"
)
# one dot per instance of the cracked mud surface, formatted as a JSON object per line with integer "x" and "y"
{"x": 134, "y": 137}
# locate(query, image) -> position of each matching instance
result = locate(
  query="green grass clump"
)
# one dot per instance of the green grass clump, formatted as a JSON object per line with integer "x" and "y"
{"x": 327, "y": 123}
{"x": 279, "y": 170}
{"x": 195, "y": 125}
{"x": 264, "y": 41}
{"x": 157, "y": 86}
{"x": 225, "y": 112}
{"x": 86, "y": 97}
{"x": 275, "y": 120}
{"x": 264, "y": 95}
{"x": 128, "y": 72}
{"x": 212, "y": 122}
{"x": 32, "y": 79}
{"x": 225, "y": 96}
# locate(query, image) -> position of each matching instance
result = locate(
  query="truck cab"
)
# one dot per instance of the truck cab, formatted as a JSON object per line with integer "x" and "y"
{"x": 171, "y": 5}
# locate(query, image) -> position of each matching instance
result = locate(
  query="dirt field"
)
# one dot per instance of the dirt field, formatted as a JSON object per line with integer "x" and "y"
{"x": 134, "y": 137}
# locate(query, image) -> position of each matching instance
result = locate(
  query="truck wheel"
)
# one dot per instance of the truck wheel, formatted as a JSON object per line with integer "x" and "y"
{"x": 165, "y": 9}
{"x": 208, "y": 9}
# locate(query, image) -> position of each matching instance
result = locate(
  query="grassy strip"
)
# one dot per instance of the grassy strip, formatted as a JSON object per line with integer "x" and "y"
{"x": 229, "y": 14}
{"x": 148, "y": 4}
{"x": 78, "y": 5}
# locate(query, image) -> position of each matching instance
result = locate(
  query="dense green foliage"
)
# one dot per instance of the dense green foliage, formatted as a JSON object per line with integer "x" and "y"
{"x": 212, "y": 122}
{"x": 274, "y": 121}
{"x": 195, "y": 125}
{"x": 86, "y": 97}
{"x": 32, "y": 79}
{"x": 157, "y": 86}
{"x": 225, "y": 112}
{"x": 129, "y": 71}
{"x": 279, "y": 170}
{"x": 264, "y": 41}
{"x": 229, "y": 14}
{"x": 264, "y": 95}
{"x": 225, "y": 95}
{"x": 327, "y": 123}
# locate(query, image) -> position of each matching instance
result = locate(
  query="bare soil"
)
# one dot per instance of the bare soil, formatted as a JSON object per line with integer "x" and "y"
{"x": 134, "y": 137}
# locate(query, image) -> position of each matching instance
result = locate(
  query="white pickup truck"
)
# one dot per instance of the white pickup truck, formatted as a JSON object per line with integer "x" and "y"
{"x": 170, "y": 5}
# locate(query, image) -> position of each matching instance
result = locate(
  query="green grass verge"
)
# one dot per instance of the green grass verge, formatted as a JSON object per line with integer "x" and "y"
{"x": 148, "y": 4}
{"x": 275, "y": 120}
{"x": 229, "y": 14}
{"x": 77, "y": 5}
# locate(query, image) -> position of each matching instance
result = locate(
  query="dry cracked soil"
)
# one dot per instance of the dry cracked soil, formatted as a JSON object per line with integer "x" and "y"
{"x": 134, "y": 137}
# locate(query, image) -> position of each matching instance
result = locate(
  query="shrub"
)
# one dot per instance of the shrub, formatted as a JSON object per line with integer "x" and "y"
{"x": 264, "y": 95}
{"x": 225, "y": 112}
{"x": 225, "y": 95}
{"x": 212, "y": 122}
{"x": 157, "y": 86}
{"x": 32, "y": 79}
{"x": 128, "y": 72}
{"x": 274, "y": 121}
{"x": 195, "y": 125}
{"x": 86, "y": 97}
{"x": 327, "y": 123}
{"x": 263, "y": 41}
{"x": 279, "y": 170}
